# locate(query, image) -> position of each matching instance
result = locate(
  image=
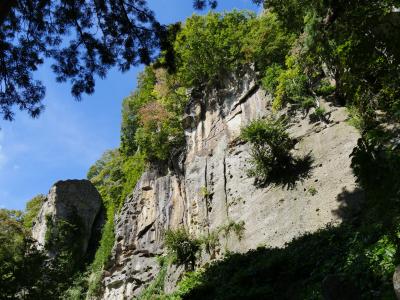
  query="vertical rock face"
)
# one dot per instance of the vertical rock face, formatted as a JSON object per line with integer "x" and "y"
{"x": 70, "y": 201}
{"x": 156, "y": 203}
{"x": 212, "y": 189}
{"x": 396, "y": 282}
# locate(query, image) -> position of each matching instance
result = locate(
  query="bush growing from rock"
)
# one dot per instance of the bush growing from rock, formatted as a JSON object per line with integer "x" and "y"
{"x": 270, "y": 148}
{"x": 182, "y": 246}
{"x": 318, "y": 115}
{"x": 32, "y": 209}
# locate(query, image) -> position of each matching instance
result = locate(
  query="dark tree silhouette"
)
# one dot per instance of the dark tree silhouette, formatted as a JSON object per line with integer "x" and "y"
{"x": 83, "y": 39}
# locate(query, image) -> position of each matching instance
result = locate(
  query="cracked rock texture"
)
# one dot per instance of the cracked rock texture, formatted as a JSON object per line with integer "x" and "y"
{"x": 209, "y": 188}
{"x": 70, "y": 200}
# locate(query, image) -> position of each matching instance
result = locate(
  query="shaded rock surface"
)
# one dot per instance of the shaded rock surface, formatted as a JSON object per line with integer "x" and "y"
{"x": 396, "y": 282}
{"x": 216, "y": 161}
{"x": 69, "y": 201}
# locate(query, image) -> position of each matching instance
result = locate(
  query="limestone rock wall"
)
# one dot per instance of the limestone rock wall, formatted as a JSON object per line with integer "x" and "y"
{"x": 156, "y": 203}
{"x": 210, "y": 187}
{"x": 69, "y": 200}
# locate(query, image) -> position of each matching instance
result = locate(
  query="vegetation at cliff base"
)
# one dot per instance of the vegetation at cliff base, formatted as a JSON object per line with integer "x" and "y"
{"x": 24, "y": 269}
{"x": 156, "y": 288}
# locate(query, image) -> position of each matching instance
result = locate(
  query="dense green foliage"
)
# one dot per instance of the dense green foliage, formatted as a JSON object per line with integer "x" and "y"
{"x": 32, "y": 209}
{"x": 151, "y": 116}
{"x": 64, "y": 239}
{"x": 24, "y": 270}
{"x": 271, "y": 157}
{"x": 271, "y": 147}
{"x": 12, "y": 235}
{"x": 210, "y": 48}
{"x": 182, "y": 246}
{"x": 351, "y": 42}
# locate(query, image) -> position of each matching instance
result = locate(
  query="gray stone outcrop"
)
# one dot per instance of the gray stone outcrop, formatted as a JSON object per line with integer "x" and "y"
{"x": 69, "y": 201}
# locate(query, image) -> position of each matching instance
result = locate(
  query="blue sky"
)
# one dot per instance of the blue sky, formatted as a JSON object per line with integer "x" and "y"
{"x": 70, "y": 136}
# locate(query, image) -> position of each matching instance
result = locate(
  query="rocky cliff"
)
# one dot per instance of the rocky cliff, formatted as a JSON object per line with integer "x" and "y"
{"x": 208, "y": 187}
{"x": 75, "y": 203}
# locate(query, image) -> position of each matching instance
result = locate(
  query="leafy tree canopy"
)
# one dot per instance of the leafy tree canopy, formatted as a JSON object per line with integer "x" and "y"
{"x": 352, "y": 42}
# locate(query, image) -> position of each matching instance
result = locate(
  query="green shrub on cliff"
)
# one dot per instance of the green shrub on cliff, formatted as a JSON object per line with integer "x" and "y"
{"x": 270, "y": 147}
{"x": 115, "y": 175}
{"x": 130, "y": 107}
{"x": 32, "y": 209}
{"x": 152, "y": 117}
{"x": 182, "y": 246}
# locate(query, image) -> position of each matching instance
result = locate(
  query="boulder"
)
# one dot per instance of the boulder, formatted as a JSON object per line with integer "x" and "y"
{"x": 74, "y": 204}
